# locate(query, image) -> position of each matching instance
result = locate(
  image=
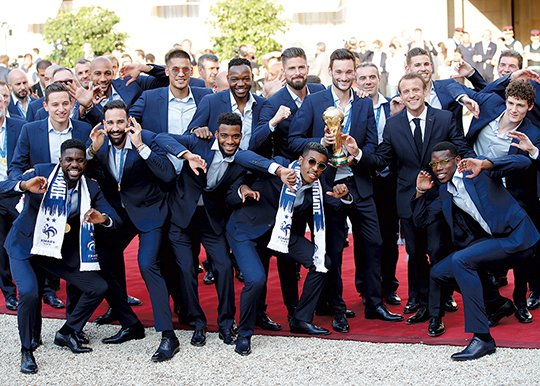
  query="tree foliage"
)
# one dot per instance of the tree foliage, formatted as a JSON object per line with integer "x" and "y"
{"x": 70, "y": 30}
{"x": 239, "y": 22}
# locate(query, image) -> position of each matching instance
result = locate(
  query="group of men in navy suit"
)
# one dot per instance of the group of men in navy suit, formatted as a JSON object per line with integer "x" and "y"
{"x": 180, "y": 166}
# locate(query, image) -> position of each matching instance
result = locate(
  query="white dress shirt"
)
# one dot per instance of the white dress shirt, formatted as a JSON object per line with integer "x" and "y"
{"x": 57, "y": 138}
{"x": 433, "y": 99}
{"x": 247, "y": 119}
{"x": 181, "y": 111}
{"x": 3, "y": 145}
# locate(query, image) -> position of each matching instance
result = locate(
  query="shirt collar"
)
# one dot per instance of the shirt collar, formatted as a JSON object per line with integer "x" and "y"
{"x": 457, "y": 179}
{"x": 249, "y": 104}
{"x": 17, "y": 100}
{"x": 382, "y": 101}
{"x": 185, "y": 99}
{"x": 336, "y": 99}
{"x": 422, "y": 116}
{"x": 127, "y": 145}
{"x": 498, "y": 121}
{"x": 51, "y": 127}
{"x": 215, "y": 147}
{"x": 4, "y": 125}
{"x": 293, "y": 95}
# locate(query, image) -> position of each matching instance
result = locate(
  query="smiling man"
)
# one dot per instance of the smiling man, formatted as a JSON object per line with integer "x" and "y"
{"x": 238, "y": 99}
{"x": 65, "y": 254}
{"x": 407, "y": 140}
{"x": 488, "y": 226}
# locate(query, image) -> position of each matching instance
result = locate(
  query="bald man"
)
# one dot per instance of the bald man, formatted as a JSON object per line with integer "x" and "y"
{"x": 20, "y": 93}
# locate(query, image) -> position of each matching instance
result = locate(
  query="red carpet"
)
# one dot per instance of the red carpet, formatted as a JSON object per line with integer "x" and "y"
{"x": 509, "y": 333}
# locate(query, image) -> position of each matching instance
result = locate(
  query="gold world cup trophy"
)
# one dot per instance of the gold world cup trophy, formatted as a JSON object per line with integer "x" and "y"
{"x": 333, "y": 118}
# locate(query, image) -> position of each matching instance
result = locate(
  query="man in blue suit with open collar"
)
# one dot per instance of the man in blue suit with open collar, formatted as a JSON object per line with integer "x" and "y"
{"x": 133, "y": 172}
{"x": 308, "y": 125}
{"x": 198, "y": 214}
{"x": 10, "y": 129}
{"x": 238, "y": 99}
{"x": 276, "y": 116}
{"x": 494, "y": 227}
{"x": 39, "y": 142}
{"x": 170, "y": 109}
{"x": 368, "y": 80}
{"x": 27, "y": 268}
{"x": 20, "y": 94}
{"x": 502, "y": 128}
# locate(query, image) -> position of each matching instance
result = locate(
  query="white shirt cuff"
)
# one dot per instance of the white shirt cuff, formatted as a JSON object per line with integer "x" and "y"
{"x": 358, "y": 157}
{"x": 534, "y": 154}
{"x": 273, "y": 167}
{"x": 271, "y": 127}
{"x": 144, "y": 152}
{"x": 17, "y": 187}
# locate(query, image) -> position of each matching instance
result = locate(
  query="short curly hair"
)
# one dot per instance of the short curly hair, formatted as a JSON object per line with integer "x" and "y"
{"x": 521, "y": 89}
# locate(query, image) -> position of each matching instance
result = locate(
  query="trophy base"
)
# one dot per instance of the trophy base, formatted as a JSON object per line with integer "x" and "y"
{"x": 338, "y": 160}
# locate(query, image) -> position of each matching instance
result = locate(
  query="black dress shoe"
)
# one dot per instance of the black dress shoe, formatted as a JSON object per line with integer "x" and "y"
{"x": 393, "y": 299}
{"x": 243, "y": 346}
{"x": 499, "y": 281}
{"x": 300, "y": 327}
{"x": 198, "y": 339}
{"x": 168, "y": 347}
{"x": 28, "y": 362}
{"x": 53, "y": 301}
{"x": 226, "y": 336}
{"x": 506, "y": 309}
{"x": 450, "y": 305}
{"x": 133, "y": 301}
{"x": 422, "y": 315}
{"x": 200, "y": 269}
{"x": 209, "y": 278}
{"x": 533, "y": 302}
{"x": 382, "y": 313}
{"x": 12, "y": 303}
{"x": 476, "y": 349}
{"x": 70, "y": 342}
{"x": 35, "y": 343}
{"x": 523, "y": 315}
{"x": 436, "y": 326}
{"x": 263, "y": 321}
{"x": 349, "y": 314}
{"x": 340, "y": 324}
{"x": 125, "y": 334}
{"x": 81, "y": 337}
{"x": 411, "y": 306}
{"x": 107, "y": 318}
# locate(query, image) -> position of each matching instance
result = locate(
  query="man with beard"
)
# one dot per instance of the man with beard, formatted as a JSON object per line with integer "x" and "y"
{"x": 276, "y": 115}
{"x": 308, "y": 125}
{"x": 133, "y": 171}
{"x": 238, "y": 99}
{"x": 20, "y": 93}
{"x": 71, "y": 258}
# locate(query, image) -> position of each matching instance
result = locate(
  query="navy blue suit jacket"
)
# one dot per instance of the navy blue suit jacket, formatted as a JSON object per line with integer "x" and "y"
{"x": 33, "y": 108}
{"x": 142, "y": 186}
{"x": 496, "y": 205}
{"x": 447, "y": 101}
{"x": 189, "y": 187}
{"x": 9, "y": 200}
{"x": 280, "y": 135}
{"x": 212, "y": 105}
{"x": 398, "y": 146}
{"x": 308, "y": 126}
{"x": 20, "y": 238}
{"x": 14, "y": 111}
{"x": 152, "y": 108}
{"x": 33, "y": 145}
{"x": 253, "y": 219}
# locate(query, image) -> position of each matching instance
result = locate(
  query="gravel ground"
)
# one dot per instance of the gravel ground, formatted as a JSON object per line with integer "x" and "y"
{"x": 274, "y": 361}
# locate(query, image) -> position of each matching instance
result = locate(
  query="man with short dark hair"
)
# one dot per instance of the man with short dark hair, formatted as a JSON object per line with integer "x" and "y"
{"x": 252, "y": 231}
{"x": 69, "y": 252}
{"x": 39, "y": 88}
{"x": 82, "y": 72}
{"x": 488, "y": 228}
{"x": 308, "y": 125}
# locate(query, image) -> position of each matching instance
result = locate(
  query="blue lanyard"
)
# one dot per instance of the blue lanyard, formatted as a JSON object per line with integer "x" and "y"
{"x": 378, "y": 115}
{"x": 3, "y": 150}
{"x": 347, "y": 125}
{"x": 120, "y": 170}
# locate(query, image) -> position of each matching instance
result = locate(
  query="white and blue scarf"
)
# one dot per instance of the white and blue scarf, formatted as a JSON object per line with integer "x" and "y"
{"x": 279, "y": 241}
{"x": 52, "y": 219}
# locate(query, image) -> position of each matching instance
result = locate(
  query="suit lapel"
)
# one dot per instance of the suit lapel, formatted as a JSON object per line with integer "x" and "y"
{"x": 11, "y": 133}
{"x": 427, "y": 132}
{"x": 446, "y": 199}
{"x": 163, "y": 106}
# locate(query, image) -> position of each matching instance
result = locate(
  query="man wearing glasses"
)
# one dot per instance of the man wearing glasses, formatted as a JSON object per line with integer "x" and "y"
{"x": 407, "y": 141}
{"x": 170, "y": 109}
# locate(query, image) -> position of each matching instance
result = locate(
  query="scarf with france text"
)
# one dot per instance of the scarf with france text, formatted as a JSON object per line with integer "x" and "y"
{"x": 52, "y": 219}
{"x": 279, "y": 241}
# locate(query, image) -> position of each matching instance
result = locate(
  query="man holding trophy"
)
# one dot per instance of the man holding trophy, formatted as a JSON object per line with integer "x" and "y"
{"x": 323, "y": 117}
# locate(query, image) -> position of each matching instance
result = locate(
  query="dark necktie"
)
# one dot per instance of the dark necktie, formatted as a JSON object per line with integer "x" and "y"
{"x": 418, "y": 135}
